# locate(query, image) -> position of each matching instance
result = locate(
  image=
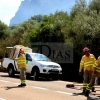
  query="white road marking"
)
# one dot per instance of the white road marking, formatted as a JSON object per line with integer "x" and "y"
{"x": 44, "y": 88}
{"x": 16, "y": 83}
{"x": 64, "y": 82}
{"x": 64, "y": 92}
{"x": 4, "y": 81}
{"x": 39, "y": 88}
{"x": 2, "y": 99}
{"x": 68, "y": 82}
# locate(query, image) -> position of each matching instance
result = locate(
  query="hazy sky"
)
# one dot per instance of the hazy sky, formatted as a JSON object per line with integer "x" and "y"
{"x": 8, "y": 8}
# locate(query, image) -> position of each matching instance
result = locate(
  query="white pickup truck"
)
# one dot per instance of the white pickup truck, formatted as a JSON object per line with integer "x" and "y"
{"x": 38, "y": 64}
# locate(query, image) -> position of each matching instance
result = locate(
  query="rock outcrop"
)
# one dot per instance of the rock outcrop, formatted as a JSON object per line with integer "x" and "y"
{"x": 29, "y": 8}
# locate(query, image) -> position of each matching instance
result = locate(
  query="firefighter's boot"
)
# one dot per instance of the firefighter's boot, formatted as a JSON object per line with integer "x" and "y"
{"x": 21, "y": 85}
{"x": 93, "y": 89}
{"x": 84, "y": 89}
{"x": 87, "y": 92}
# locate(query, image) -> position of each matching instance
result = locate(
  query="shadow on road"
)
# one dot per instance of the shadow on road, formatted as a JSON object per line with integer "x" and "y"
{"x": 90, "y": 98}
{"x": 76, "y": 94}
{"x": 11, "y": 87}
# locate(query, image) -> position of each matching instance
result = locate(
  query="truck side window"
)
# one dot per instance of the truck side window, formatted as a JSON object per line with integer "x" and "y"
{"x": 28, "y": 57}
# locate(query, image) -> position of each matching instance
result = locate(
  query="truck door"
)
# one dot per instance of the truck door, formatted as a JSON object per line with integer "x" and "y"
{"x": 29, "y": 63}
{"x": 15, "y": 63}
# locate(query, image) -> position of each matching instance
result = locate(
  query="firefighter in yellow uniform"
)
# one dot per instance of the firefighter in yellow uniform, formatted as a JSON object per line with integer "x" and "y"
{"x": 96, "y": 73}
{"x": 21, "y": 62}
{"x": 86, "y": 63}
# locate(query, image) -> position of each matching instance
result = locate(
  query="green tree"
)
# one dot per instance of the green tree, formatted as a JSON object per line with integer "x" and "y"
{"x": 51, "y": 28}
{"x": 4, "y": 30}
{"x": 95, "y": 5}
{"x": 79, "y": 6}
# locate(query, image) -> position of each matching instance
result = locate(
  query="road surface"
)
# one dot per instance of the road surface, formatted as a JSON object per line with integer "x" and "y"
{"x": 40, "y": 90}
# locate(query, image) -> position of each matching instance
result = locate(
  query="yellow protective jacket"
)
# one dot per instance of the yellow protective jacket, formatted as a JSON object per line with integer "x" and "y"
{"x": 97, "y": 67}
{"x": 21, "y": 61}
{"x": 87, "y": 63}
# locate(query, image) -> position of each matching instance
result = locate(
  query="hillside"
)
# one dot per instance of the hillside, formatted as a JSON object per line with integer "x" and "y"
{"x": 29, "y": 8}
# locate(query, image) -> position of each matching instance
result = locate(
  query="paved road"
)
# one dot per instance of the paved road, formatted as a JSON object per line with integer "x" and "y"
{"x": 39, "y": 90}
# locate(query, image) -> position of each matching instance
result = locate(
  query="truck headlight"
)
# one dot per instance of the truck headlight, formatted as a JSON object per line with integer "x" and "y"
{"x": 43, "y": 65}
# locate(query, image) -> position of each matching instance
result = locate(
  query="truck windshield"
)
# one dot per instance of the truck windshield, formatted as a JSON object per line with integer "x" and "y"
{"x": 40, "y": 57}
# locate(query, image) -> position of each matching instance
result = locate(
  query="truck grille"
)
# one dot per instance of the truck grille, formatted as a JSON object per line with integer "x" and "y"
{"x": 53, "y": 66}
{"x": 53, "y": 71}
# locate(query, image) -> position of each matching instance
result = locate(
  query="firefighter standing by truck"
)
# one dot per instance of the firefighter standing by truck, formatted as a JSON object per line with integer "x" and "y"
{"x": 21, "y": 62}
{"x": 96, "y": 73}
{"x": 86, "y": 63}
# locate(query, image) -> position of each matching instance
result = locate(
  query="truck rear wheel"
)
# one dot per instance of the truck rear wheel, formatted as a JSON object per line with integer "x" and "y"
{"x": 11, "y": 71}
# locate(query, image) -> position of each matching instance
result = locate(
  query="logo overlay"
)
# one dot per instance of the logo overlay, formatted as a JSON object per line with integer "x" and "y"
{"x": 57, "y": 52}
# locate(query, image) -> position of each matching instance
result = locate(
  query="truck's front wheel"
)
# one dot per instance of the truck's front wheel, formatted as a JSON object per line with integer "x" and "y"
{"x": 11, "y": 71}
